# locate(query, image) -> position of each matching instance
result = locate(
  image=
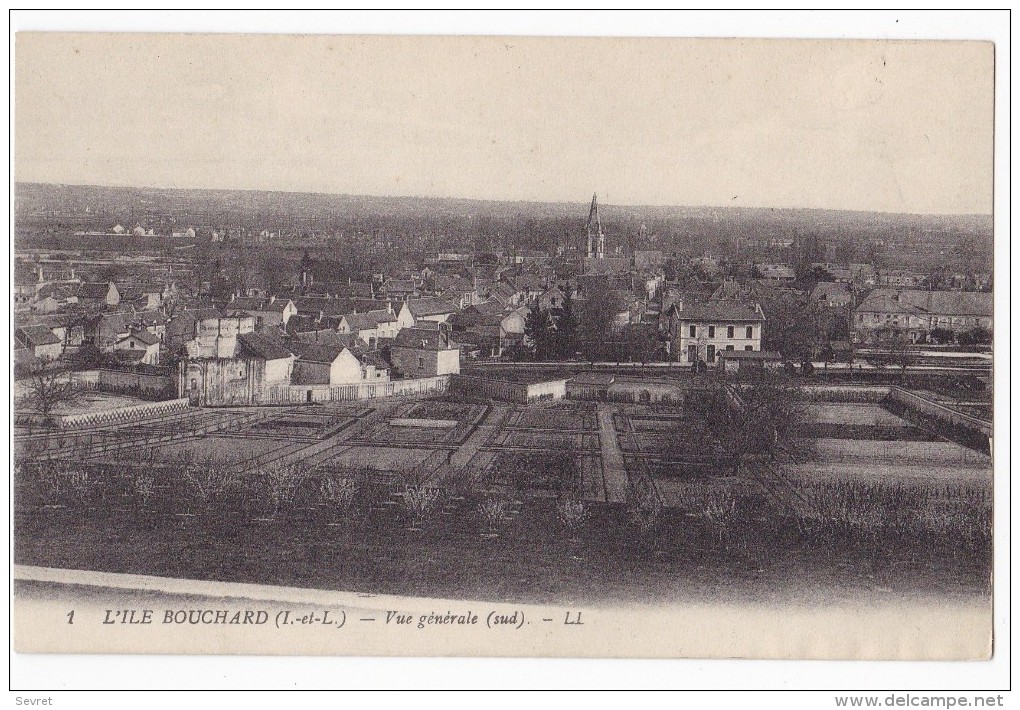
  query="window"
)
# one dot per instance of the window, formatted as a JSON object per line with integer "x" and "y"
{"x": 711, "y": 331}
{"x": 710, "y": 353}
{"x": 421, "y": 363}
{"x": 750, "y": 331}
{"x": 748, "y": 348}
{"x": 729, "y": 333}
{"x": 729, "y": 347}
{"x": 694, "y": 331}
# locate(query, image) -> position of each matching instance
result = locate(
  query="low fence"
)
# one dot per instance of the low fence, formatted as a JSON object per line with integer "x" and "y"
{"x": 105, "y": 417}
{"x": 311, "y": 394}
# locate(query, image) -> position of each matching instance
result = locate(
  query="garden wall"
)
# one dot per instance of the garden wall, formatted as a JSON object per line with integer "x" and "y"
{"x": 310, "y": 394}
{"x": 507, "y": 390}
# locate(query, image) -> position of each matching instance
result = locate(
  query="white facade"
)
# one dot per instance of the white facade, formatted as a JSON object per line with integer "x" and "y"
{"x": 703, "y": 340}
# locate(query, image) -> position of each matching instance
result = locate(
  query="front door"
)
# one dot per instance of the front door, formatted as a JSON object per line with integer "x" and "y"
{"x": 710, "y": 353}
{"x": 692, "y": 353}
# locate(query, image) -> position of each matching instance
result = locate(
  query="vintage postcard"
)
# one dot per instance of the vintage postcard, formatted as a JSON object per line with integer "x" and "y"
{"x": 503, "y": 346}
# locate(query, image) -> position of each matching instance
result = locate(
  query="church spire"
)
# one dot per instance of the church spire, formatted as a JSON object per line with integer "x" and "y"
{"x": 596, "y": 238}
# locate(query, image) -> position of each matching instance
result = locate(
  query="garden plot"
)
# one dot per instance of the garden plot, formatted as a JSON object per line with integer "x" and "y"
{"x": 664, "y": 444}
{"x": 220, "y": 448}
{"x": 897, "y": 452}
{"x": 301, "y": 425}
{"x": 857, "y": 414}
{"x": 383, "y": 433}
{"x": 379, "y": 458}
{"x": 655, "y": 424}
{"x": 699, "y": 495}
{"x": 550, "y": 419}
{"x": 436, "y": 409}
{"x": 934, "y": 473}
{"x": 550, "y": 440}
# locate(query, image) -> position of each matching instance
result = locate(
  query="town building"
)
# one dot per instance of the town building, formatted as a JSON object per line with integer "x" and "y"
{"x": 699, "y": 331}
{"x": 41, "y": 342}
{"x": 243, "y": 376}
{"x": 425, "y": 351}
{"x": 832, "y": 294}
{"x": 906, "y": 314}
{"x": 140, "y": 346}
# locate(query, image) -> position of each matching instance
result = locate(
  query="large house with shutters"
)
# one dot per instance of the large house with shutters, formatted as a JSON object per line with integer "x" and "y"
{"x": 700, "y": 331}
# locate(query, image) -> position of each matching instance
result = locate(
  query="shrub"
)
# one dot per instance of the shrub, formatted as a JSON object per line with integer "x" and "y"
{"x": 495, "y": 512}
{"x": 420, "y": 502}
{"x": 144, "y": 485}
{"x": 644, "y": 507}
{"x": 338, "y": 492}
{"x": 209, "y": 483}
{"x": 572, "y": 512}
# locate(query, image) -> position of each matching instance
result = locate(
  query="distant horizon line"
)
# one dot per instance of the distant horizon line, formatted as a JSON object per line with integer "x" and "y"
{"x": 497, "y": 200}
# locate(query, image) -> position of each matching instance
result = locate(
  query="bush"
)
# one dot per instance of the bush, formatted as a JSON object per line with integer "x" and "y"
{"x": 495, "y": 512}
{"x": 420, "y": 502}
{"x": 338, "y": 492}
{"x": 572, "y": 513}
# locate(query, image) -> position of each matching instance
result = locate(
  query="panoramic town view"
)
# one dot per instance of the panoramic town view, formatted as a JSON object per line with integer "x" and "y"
{"x": 454, "y": 324}
{"x": 542, "y": 402}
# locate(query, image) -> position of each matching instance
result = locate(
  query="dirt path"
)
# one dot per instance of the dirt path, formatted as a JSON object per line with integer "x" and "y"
{"x": 495, "y": 418}
{"x": 613, "y": 467}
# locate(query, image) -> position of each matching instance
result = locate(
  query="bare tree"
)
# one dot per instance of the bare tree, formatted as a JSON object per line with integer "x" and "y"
{"x": 49, "y": 389}
{"x": 755, "y": 423}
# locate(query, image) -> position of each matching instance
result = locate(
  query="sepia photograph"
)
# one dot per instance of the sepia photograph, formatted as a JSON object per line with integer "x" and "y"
{"x": 561, "y": 346}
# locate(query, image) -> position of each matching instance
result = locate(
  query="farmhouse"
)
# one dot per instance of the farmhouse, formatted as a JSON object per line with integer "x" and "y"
{"x": 371, "y": 326}
{"x": 99, "y": 293}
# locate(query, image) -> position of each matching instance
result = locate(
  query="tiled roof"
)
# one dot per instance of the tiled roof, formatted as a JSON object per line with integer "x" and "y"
{"x": 830, "y": 291}
{"x": 315, "y": 352}
{"x": 263, "y": 346}
{"x": 329, "y": 337}
{"x": 949, "y": 303}
{"x": 719, "y": 311}
{"x": 94, "y": 290}
{"x": 423, "y": 339}
{"x": 36, "y": 335}
{"x": 142, "y": 336}
{"x": 369, "y": 320}
{"x": 373, "y": 358}
{"x": 421, "y": 307}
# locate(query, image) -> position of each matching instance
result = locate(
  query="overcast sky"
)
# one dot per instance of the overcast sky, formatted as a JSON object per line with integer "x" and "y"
{"x": 891, "y": 126}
